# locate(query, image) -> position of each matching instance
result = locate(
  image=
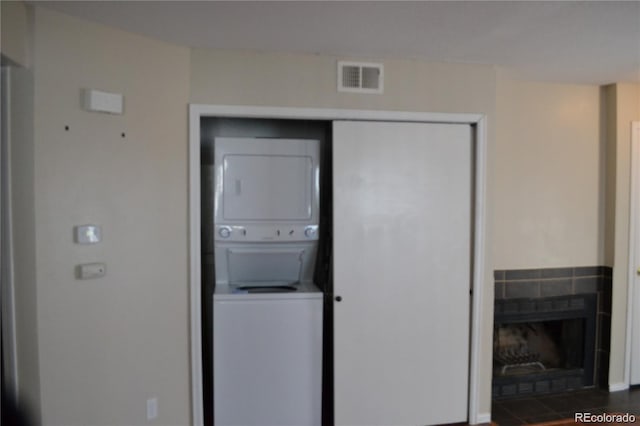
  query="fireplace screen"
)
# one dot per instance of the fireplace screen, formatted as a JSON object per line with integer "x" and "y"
{"x": 526, "y": 348}
{"x": 543, "y": 345}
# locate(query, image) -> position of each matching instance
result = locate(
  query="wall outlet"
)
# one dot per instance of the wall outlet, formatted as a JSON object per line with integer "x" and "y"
{"x": 152, "y": 408}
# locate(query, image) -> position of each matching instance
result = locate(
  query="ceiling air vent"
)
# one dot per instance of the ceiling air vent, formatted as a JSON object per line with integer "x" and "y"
{"x": 360, "y": 77}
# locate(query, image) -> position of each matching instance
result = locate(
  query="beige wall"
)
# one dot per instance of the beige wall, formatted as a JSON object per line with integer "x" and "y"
{"x": 294, "y": 80}
{"x": 15, "y": 31}
{"x": 608, "y": 98}
{"x": 106, "y": 345}
{"x": 626, "y": 98}
{"x": 549, "y": 176}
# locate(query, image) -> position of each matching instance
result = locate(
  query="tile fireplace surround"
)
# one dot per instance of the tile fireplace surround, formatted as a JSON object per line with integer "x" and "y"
{"x": 561, "y": 283}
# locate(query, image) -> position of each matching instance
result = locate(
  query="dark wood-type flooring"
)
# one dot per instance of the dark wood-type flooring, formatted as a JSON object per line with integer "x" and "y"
{"x": 547, "y": 408}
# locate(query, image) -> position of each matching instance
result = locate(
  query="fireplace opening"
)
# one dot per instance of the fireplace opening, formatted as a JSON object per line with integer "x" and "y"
{"x": 532, "y": 347}
{"x": 543, "y": 345}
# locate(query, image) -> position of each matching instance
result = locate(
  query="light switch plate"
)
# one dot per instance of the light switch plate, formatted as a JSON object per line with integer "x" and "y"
{"x": 88, "y": 234}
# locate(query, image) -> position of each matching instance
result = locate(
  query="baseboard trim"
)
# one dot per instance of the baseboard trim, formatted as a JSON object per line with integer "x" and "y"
{"x": 483, "y": 418}
{"x": 616, "y": 387}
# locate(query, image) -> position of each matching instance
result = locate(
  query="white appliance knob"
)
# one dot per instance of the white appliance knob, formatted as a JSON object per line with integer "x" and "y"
{"x": 309, "y": 232}
{"x": 224, "y": 232}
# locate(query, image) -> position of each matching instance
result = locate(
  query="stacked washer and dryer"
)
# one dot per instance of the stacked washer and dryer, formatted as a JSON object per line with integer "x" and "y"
{"x": 267, "y": 312}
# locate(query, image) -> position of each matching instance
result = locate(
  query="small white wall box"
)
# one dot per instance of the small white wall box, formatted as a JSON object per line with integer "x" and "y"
{"x": 91, "y": 270}
{"x": 98, "y": 101}
{"x": 88, "y": 234}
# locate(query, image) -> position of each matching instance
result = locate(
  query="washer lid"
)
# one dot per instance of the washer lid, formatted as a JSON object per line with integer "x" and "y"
{"x": 267, "y": 267}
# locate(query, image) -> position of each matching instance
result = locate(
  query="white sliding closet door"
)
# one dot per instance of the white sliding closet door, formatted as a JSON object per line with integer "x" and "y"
{"x": 402, "y": 272}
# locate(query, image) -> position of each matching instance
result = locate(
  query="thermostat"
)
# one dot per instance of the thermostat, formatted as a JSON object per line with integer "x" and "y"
{"x": 88, "y": 234}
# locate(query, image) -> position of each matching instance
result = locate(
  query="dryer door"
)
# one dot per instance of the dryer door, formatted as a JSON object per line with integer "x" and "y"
{"x": 267, "y": 187}
{"x": 266, "y": 180}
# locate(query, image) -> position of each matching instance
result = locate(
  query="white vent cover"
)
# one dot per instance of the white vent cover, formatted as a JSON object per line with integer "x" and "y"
{"x": 360, "y": 77}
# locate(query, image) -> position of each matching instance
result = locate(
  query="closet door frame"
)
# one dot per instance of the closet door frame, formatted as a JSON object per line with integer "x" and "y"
{"x": 632, "y": 363}
{"x": 479, "y": 351}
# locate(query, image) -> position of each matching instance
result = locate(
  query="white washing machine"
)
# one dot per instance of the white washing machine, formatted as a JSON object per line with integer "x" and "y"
{"x": 268, "y": 358}
{"x": 267, "y": 313}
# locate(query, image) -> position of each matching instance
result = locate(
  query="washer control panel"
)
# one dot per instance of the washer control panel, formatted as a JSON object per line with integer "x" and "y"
{"x": 272, "y": 233}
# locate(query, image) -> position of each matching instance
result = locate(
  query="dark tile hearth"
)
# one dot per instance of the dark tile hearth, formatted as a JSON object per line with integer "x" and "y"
{"x": 545, "y": 408}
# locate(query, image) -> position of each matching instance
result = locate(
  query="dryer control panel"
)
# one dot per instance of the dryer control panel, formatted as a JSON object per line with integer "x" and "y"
{"x": 266, "y": 233}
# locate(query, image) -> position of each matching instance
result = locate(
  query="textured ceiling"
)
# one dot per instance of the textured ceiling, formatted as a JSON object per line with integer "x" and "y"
{"x": 579, "y": 42}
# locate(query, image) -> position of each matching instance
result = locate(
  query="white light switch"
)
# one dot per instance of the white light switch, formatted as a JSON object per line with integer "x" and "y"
{"x": 91, "y": 270}
{"x": 88, "y": 234}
